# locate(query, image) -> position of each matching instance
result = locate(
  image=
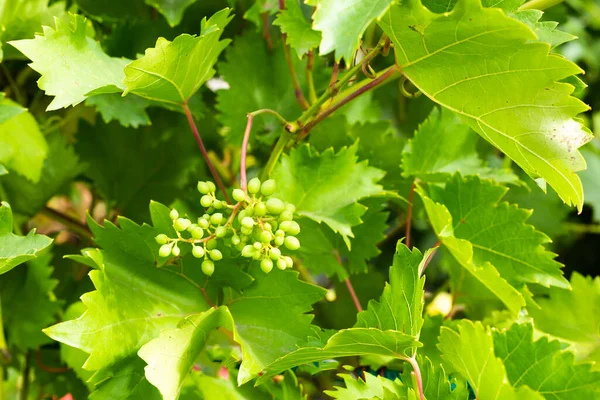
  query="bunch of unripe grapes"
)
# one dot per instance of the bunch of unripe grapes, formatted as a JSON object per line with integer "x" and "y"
{"x": 258, "y": 226}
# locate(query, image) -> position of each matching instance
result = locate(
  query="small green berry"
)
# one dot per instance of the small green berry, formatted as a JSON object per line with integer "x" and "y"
{"x": 235, "y": 240}
{"x": 249, "y": 211}
{"x": 216, "y": 219}
{"x": 254, "y": 186}
{"x": 248, "y": 251}
{"x": 174, "y": 214}
{"x": 246, "y": 231}
{"x": 203, "y": 223}
{"x": 275, "y": 253}
{"x": 278, "y": 240}
{"x": 206, "y": 201}
{"x": 181, "y": 224}
{"x": 280, "y": 232}
{"x": 290, "y": 207}
{"x": 275, "y": 206}
{"x": 161, "y": 239}
{"x": 260, "y": 209}
{"x": 165, "y": 250}
{"x": 286, "y": 216}
{"x": 218, "y": 205}
{"x": 281, "y": 264}
{"x": 257, "y": 255}
{"x": 268, "y": 187}
{"x": 290, "y": 227}
{"x": 266, "y": 265}
{"x": 197, "y": 232}
{"x": 175, "y": 251}
{"x": 216, "y": 255}
{"x": 271, "y": 225}
{"x": 211, "y": 244}
{"x": 257, "y": 245}
{"x": 208, "y": 267}
{"x": 247, "y": 222}
{"x": 220, "y": 232}
{"x": 203, "y": 187}
{"x": 288, "y": 261}
{"x": 211, "y": 186}
{"x": 292, "y": 243}
{"x": 198, "y": 251}
{"x": 239, "y": 195}
{"x": 265, "y": 237}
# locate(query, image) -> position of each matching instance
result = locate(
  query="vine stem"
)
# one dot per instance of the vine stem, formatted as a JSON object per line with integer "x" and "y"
{"x": 353, "y": 295}
{"x": 72, "y": 224}
{"x": 539, "y": 4}
{"x": 297, "y": 88}
{"x": 417, "y": 373}
{"x": 243, "y": 179}
{"x": 411, "y": 196}
{"x": 312, "y": 93}
{"x": 211, "y": 167}
{"x": 52, "y": 370}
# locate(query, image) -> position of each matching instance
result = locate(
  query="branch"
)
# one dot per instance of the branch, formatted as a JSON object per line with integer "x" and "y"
{"x": 211, "y": 167}
{"x": 353, "y": 295}
{"x": 71, "y": 224}
{"x": 312, "y": 93}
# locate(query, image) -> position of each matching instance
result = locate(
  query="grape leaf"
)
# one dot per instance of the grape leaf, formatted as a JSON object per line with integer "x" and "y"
{"x": 73, "y": 357}
{"x": 22, "y": 145}
{"x": 469, "y": 351}
{"x": 171, "y": 355}
{"x": 545, "y": 30}
{"x": 497, "y": 232}
{"x": 71, "y": 63}
{"x": 444, "y": 145}
{"x": 31, "y": 305}
{"x": 270, "y": 318}
{"x": 326, "y": 187}
{"x": 437, "y": 385}
{"x": 15, "y": 250}
{"x": 60, "y": 168}
{"x": 371, "y": 387}
{"x": 543, "y": 366}
{"x": 133, "y": 300}
{"x": 129, "y": 110}
{"x": 172, "y": 72}
{"x": 171, "y": 9}
{"x": 300, "y": 35}
{"x": 590, "y": 181}
{"x": 505, "y": 85}
{"x": 572, "y": 316}
{"x": 123, "y": 380}
{"x": 343, "y": 22}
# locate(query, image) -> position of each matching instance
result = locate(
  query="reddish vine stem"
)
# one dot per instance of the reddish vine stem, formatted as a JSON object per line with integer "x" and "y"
{"x": 52, "y": 370}
{"x": 266, "y": 32}
{"x": 211, "y": 167}
{"x": 334, "y": 74}
{"x": 418, "y": 376}
{"x": 243, "y": 179}
{"x": 297, "y": 89}
{"x": 353, "y": 295}
{"x": 411, "y": 196}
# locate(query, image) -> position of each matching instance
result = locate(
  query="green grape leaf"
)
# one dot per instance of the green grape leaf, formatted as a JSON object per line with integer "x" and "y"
{"x": 469, "y": 351}
{"x": 134, "y": 300}
{"x": 73, "y": 357}
{"x": 60, "y": 168}
{"x": 171, "y": 356}
{"x": 545, "y": 30}
{"x": 400, "y": 307}
{"x": 71, "y": 63}
{"x": 345, "y": 343}
{"x": 502, "y": 82}
{"x": 171, "y": 72}
{"x": 572, "y": 316}
{"x": 123, "y": 380}
{"x": 23, "y": 147}
{"x": 371, "y": 387}
{"x": 29, "y": 303}
{"x": 270, "y": 318}
{"x": 172, "y": 10}
{"x": 326, "y": 187}
{"x": 300, "y": 35}
{"x": 543, "y": 366}
{"x": 443, "y": 145}
{"x": 437, "y": 385}
{"x": 15, "y": 250}
{"x": 343, "y": 22}
{"x": 590, "y": 181}
{"x": 128, "y": 110}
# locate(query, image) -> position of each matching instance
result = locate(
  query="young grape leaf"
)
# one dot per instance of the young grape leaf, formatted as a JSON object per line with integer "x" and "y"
{"x": 343, "y": 22}
{"x": 129, "y": 110}
{"x": 171, "y": 355}
{"x": 502, "y": 82}
{"x": 497, "y": 232}
{"x": 23, "y": 147}
{"x": 123, "y": 380}
{"x": 572, "y": 316}
{"x": 71, "y": 63}
{"x": 469, "y": 351}
{"x": 369, "y": 387}
{"x": 443, "y": 145}
{"x": 134, "y": 300}
{"x": 15, "y": 250}
{"x": 300, "y": 35}
{"x": 543, "y": 366}
{"x": 171, "y": 9}
{"x": 28, "y": 303}
{"x": 545, "y": 30}
{"x": 270, "y": 318}
{"x": 326, "y": 187}
{"x": 172, "y": 72}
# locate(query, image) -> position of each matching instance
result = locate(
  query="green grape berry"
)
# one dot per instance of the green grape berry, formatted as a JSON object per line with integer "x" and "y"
{"x": 254, "y": 186}
{"x": 247, "y": 222}
{"x": 165, "y": 250}
{"x": 181, "y": 224}
{"x": 257, "y": 255}
{"x": 275, "y": 206}
{"x": 248, "y": 251}
{"x": 268, "y": 187}
{"x": 281, "y": 264}
{"x": 206, "y": 200}
{"x": 174, "y": 214}
{"x": 275, "y": 254}
{"x": 161, "y": 239}
{"x": 246, "y": 231}
{"x": 260, "y": 209}
{"x": 208, "y": 267}
{"x": 286, "y": 216}
{"x": 203, "y": 223}
{"x": 216, "y": 219}
{"x": 203, "y": 187}
{"x": 216, "y": 255}
{"x": 278, "y": 240}
{"x": 198, "y": 251}
{"x": 249, "y": 211}
{"x": 265, "y": 237}
{"x": 197, "y": 232}
{"x": 292, "y": 242}
{"x": 239, "y": 195}
{"x": 257, "y": 245}
{"x": 212, "y": 244}
{"x": 211, "y": 186}
{"x": 289, "y": 262}
{"x": 290, "y": 227}
{"x": 218, "y": 205}
{"x": 235, "y": 240}
{"x": 175, "y": 251}
{"x": 220, "y": 232}
{"x": 271, "y": 225}
{"x": 280, "y": 232}
{"x": 266, "y": 265}
{"x": 290, "y": 207}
